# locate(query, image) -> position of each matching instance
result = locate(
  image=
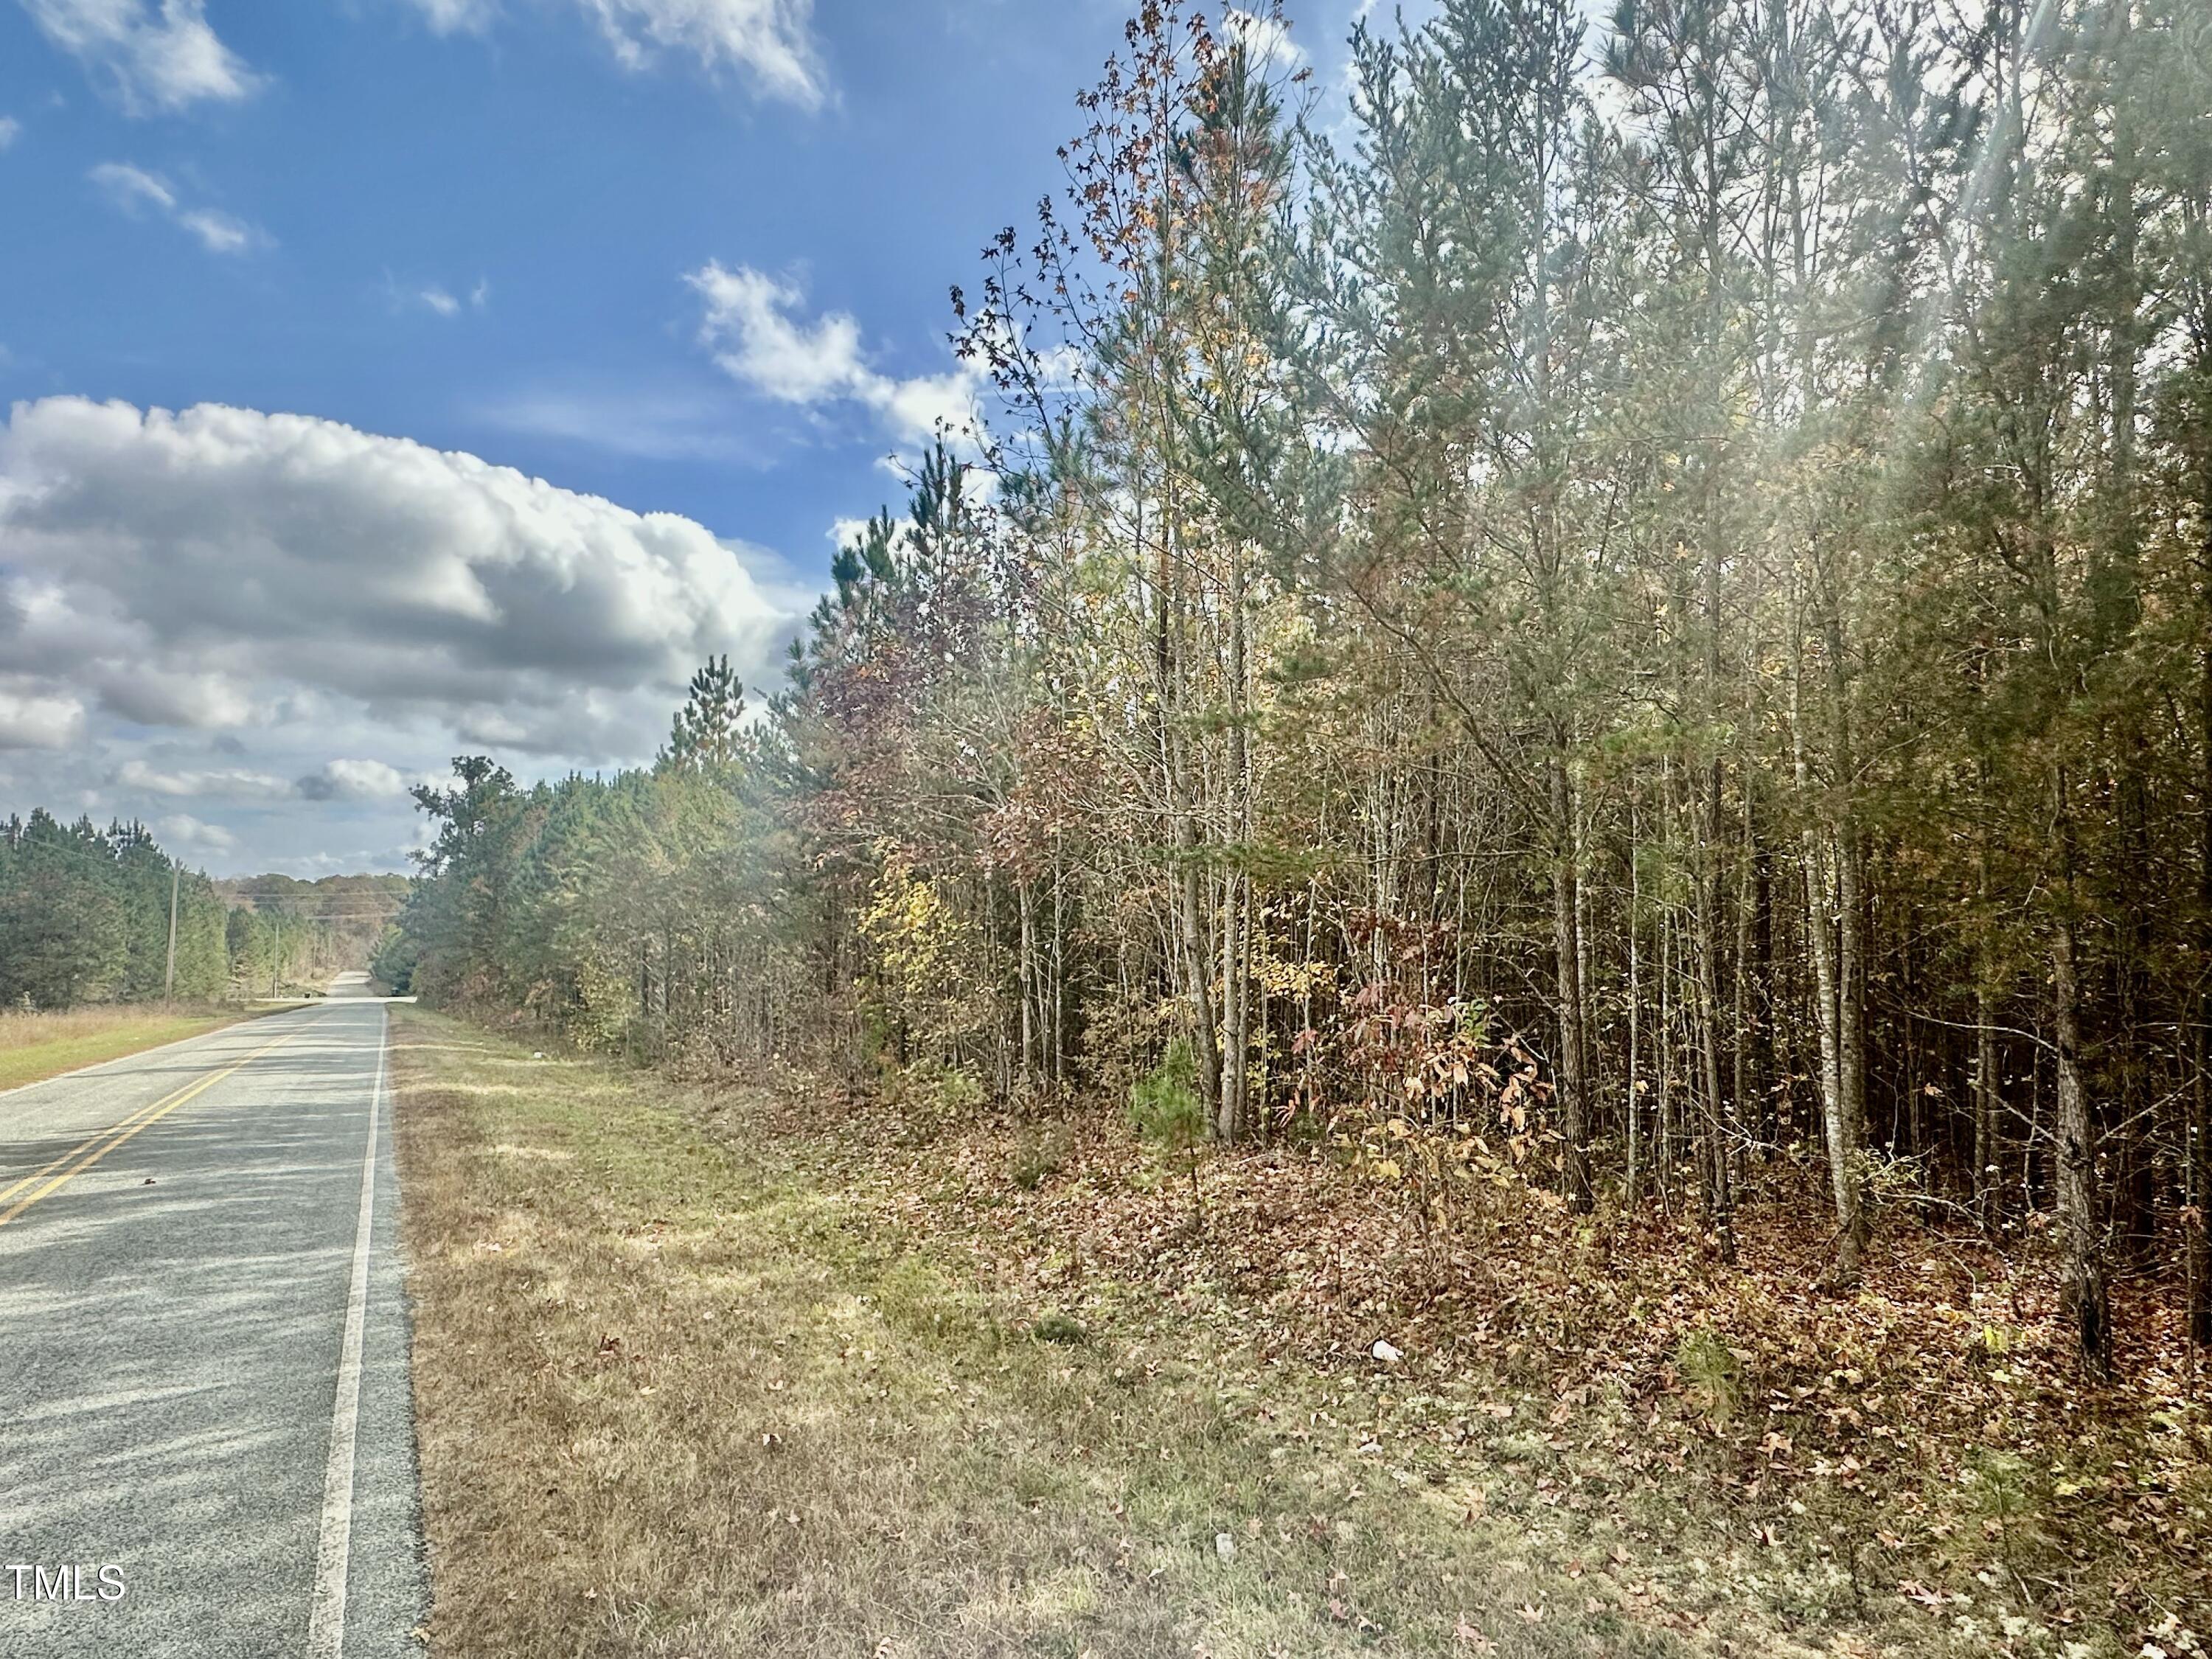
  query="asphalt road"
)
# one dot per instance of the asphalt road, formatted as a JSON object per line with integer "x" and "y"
{"x": 205, "y": 1411}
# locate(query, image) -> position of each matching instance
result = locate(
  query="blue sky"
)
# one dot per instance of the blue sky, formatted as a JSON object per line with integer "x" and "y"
{"x": 676, "y": 258}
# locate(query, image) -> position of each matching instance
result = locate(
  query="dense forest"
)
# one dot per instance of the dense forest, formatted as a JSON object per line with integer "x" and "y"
{"x": 1630, "y": 613}
{"x": 85, "y": 917}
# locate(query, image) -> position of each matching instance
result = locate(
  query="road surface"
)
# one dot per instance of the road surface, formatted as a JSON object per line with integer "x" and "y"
{"x": 206, "y": 1439}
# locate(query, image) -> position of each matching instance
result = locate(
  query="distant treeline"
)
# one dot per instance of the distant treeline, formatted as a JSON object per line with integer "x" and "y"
{"x": 84, "y": 917}
{"x": 327, "y": 926}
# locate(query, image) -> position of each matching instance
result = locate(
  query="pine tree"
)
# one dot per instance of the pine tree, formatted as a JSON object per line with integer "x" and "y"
{"x": 708, "y": 735}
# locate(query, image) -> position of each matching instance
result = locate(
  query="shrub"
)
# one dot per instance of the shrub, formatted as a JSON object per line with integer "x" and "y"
{"x": 1169, "y": 1114}
{"x": 1712, "y": 1375}
{"x": 1040, "y": 1154}
{"x": 1057, "y": 1327}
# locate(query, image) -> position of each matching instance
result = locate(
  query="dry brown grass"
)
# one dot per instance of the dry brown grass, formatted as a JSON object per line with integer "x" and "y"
{"x": 36, "y": 1045}
{"x": 683, "y": 1389}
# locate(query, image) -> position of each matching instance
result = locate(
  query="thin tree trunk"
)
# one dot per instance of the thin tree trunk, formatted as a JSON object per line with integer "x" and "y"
{"x": 1850, "y": 1003}
{"x": 1988, "y": 1100}
{"x": 1713, "y": 1160}
{"x": 2199, "y": 1151}
{"x": 1237, "y": 918}
{"x": 1635, "y": 995}
{"x": 1025, "y": 981}
{"x": 1574, "y": 1106}
{"x": 1844, "y": 1130}
{"x": 2083, "y": 1295}
{"x": 1742, "y": 1091}
{"x": 1195, "y": 957}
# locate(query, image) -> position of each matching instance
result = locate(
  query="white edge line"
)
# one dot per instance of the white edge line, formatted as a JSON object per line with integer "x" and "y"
{"x": 334, "y": 1546}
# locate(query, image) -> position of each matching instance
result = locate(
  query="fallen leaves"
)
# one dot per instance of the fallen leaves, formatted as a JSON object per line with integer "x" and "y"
{"x": 1562, "y": 1340}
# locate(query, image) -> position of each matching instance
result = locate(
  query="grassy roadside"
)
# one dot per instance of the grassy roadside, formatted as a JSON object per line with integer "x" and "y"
{"x": 678, "y": 1395}
{"x": 35, "y": 1046}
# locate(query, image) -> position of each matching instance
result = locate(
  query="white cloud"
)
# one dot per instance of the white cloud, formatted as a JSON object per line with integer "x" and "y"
{"x": 181, "y": 832}
{"x": 134, "y": 190}
{"x": 356, "y": 780}
{"x": 752, "y": 338}
{"x": 28, "y": 720}
{"x": 207, "y": 699}
{"x": 767, "y": 39}
{"x": 748, "y": 329}
{"x": 10, "y": 130}
{"x": 458, "y": 16}
{"x": 1265, "y": 39}
{"x": 219, "y": 233}
{"x": 159, "y": 56}
{"x": 279, "y": 624}
{"x": 660, "y": 426}
{"x": 770, "y": 42}
{"x": 333, "y": 781}
{"x": 434, "y": 296}
{"x": 222, "y": 570}
{"x": 229, "y": 784}
{"x": 131, "y": 188}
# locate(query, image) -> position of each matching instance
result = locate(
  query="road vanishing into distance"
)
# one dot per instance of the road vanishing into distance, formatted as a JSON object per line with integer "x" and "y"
{"x": 206, "y": 1439}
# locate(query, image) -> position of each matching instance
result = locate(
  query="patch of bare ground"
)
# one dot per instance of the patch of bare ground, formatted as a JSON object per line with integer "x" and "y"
{"x": 743, "y": 1372}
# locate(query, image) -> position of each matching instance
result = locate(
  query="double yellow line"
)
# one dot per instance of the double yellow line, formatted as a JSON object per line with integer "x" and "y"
{"x": 79, "y": 1158}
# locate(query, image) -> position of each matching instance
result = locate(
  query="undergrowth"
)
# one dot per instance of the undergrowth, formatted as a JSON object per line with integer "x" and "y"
{"x": 750, "y": 1372}
{"x": 1916, "y": 1459}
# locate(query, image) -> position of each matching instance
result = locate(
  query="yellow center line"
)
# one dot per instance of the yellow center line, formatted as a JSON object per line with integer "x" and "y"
{"x": 15, "y": 1186}
{"x": 10, "y": 1190}
{"x": 116, "y": 1134}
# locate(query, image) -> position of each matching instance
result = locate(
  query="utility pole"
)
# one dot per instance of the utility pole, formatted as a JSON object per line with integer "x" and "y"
{"x": 169, "y": 977}
{"x": 276, "y": 959}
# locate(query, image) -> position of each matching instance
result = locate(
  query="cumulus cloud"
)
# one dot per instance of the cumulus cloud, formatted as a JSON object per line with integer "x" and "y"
{"x": 29, "y": 720}
{"x": 767, "y": 39}
{"x": 747, "y": 325}
{"x": 135, "y": 191}
{"x": 356, "y": 780}
{"x": 229, "y": 784}
{"x": 10, "y": 130}
{"x": 770, "y": 42}
{"x": 751, "y": 336}
{"x": 183, "y": 833}
{"x": 156, "y": 58}
{"x": 222, "y": 568}
{"x": 334, "y": 781}
{"x": 1266, "y": 39}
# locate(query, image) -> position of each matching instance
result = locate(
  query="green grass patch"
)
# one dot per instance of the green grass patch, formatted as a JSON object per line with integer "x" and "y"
{"x": 34, "y": 1046}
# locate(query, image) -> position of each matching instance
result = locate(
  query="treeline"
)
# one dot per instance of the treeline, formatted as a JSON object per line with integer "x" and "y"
{"x": 85, "y": 913}
{"x": 1638, "y": 609}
